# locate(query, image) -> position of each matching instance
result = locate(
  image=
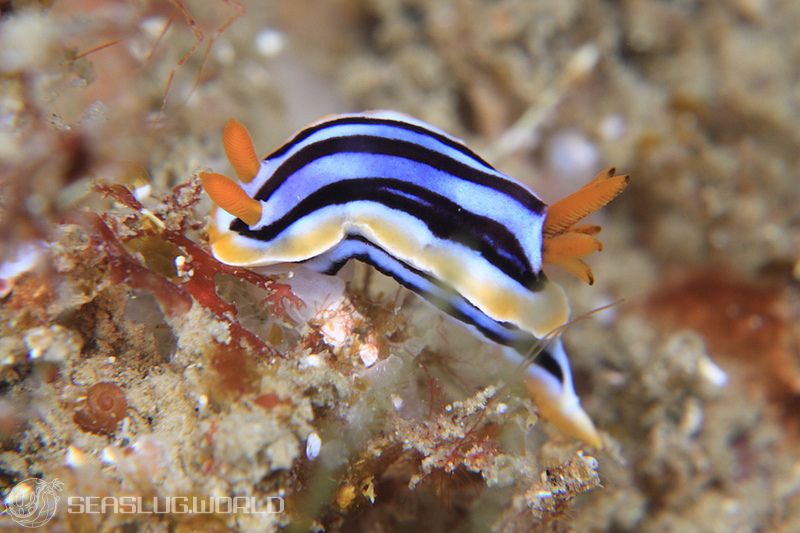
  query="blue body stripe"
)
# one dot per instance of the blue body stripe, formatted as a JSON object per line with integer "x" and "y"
{"x": 444, "y": 218}
{"x": 314, "y": 164}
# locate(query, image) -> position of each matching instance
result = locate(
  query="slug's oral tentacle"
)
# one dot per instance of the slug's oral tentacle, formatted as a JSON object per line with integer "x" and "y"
{"x": 563, "y": 243}
{"x": 227, "y": 194}
{"x": 240, "y": 151}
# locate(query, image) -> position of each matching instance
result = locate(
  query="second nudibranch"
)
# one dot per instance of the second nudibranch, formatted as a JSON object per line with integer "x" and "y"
{"x": 421, "y": 207}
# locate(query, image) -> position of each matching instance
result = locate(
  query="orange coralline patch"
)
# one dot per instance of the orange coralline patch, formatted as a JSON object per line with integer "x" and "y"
{"x": 234, "y": 369}
{"x": 269, "y": 401}
{"x": 30, "y": 297}
{"x": 103, "y": 410}
{"x": 742, "y": 320}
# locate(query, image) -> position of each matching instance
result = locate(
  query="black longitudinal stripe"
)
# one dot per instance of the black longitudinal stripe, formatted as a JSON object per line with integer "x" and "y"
{"x": 368, "y": 144}
{"x": 515, "y": 338}
{"x": 311, "y": 130}
{"x": 445, "y": 303}
{"x": 445, "y": 219}
{"x": 548, "y": 362}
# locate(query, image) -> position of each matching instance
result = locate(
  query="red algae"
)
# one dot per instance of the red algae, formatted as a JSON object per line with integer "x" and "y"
{"x": 125, "y": 269}
{"x": 200, "y": 284}
{"x": 269, "y": 401}
{"x": 234, "y": 369}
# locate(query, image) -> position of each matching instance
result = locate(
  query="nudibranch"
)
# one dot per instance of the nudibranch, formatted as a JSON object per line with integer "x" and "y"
{"x": 421, "y": 207}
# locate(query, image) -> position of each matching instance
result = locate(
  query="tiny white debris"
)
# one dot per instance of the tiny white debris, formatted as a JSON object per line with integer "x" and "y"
{"x": 153, "y": 26}
{"x": 54, "y": 344}
{"x": 224, "y": 52}
{"x": 313, "y": 444}
{"x": 319, "y": 292}
{"x": 27, "y": 40}
{"x": 270, "y": 42}
{"x": 397, "y": 401}
{"x": 588, "y": 460}
{"x": 614, "y": 378}
{"x": 109, "y": 455}
{"x": 502, "y": 408}
{"x": 612, "y": 127}
{"x": 311, "y": 361}
{"x": 369, "y": 354}
{"x": 571, "y": 154}
{"x": 142, "y": 192}
{"x": 152, "y": 218}
{"x": 147, "y": 445}
{"x": 337, "y": 329}
{"x": 182, "y": 266}
{"x": 202, "y": 403}
{"x": 368, "y": 489}
{"x": 711, "y": 372}
{"x": 20, "y": 494}
{"x": 692, "y": 420}
{"x": 581, "y": 63}
{"x": 23, "y": 259}
{"x": 75, "y": 457}
{"x": 12, "y": 349}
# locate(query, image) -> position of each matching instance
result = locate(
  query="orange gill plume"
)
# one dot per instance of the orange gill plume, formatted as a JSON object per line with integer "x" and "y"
{"x": 563, "y": 242}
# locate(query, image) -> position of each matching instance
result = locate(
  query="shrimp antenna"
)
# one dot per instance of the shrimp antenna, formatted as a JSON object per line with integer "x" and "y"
{"x": 542, "y": 344}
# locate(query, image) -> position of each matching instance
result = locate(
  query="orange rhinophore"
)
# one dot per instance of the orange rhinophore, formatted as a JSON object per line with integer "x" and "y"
{"x": 227, "y": 194}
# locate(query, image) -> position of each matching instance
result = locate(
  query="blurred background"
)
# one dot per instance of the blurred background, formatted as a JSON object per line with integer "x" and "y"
{"x": 694, "y": 378}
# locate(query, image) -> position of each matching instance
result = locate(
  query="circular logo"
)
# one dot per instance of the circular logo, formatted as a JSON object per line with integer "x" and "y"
{"x": 33, "y": 502}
